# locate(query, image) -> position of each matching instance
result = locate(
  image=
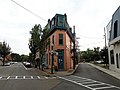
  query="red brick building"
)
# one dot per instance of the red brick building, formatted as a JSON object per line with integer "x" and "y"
{"x": 61, "y": 43}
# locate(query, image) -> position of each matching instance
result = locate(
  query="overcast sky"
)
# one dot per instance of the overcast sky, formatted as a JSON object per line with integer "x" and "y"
{"x": 89, "y": 17}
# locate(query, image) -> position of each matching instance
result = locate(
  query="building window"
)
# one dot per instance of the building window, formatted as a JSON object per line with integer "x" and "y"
{"x": 61, "y": 39}
{"x": 51, "y": 47}
{"x": 61, "y": 21}
{"x": 117, "y": 62}
{"x": 115, "y": 28}
{"x": 49, "y": 59}
{"x": 112, "y": 56}
{"x": 53, "y": 23}
{"x": 53, "y": 39}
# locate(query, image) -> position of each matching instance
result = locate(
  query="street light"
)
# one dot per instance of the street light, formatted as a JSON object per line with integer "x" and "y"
{"x": 52, "y": 63}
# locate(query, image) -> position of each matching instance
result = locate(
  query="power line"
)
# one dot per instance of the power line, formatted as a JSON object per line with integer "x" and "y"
{"x": 90, "y": 44}
{"x": 28, "y": 10}
{"x": 90, "y": 37}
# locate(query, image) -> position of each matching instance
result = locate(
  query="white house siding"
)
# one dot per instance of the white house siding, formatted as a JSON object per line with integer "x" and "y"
{"x": 111, "y": 66}
{"x": 117, "y": 51}
{"x": 114, "y": 42}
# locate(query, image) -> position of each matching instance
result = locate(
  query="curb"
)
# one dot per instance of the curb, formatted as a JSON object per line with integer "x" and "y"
{"x": 67, "y": 72}
{"x": 75, "y": 69}
{"x": 112, "y": 73}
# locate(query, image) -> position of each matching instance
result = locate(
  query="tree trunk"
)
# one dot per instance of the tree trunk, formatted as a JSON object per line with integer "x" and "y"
{"x": 3, "y": 61}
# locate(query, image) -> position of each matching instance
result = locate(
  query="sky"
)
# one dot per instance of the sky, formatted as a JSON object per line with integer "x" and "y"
{"x": 89, "y": 17}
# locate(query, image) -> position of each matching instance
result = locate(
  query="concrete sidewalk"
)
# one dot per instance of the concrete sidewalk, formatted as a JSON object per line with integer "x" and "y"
{"x": 60, "y": 73}
{"x": 112, "y": 73}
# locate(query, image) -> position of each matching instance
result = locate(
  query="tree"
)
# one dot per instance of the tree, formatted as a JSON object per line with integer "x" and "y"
{"x": 38, "y": 41}
{"x": 96, "y": 53}
{"x": 34, "y": 41}
{"x": 16, "y": 57}
{"x": 4, "y": 50}
{"x": 91, "y": 55}
{"x": 25, "y": 58}
{"x": 104, "y": 55}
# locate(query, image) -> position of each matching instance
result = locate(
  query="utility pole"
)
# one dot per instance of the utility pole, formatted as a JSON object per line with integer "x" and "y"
{"x": 52, "y": 63}
{"x": 105, "y": 37}
{"x": 105, "y": 47}
{"x": 74, "y": 48}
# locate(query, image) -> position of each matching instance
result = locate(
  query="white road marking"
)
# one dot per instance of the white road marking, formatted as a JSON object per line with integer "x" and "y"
{"x": 16, "y": 77}
{"x": 38, "y": 77}
{"x": 75, "y": 82}
{"x": 95, "y": 84}
{"x": 8, "y": 77}
{"x": 31, "y": 77}
{"x": 23, "y": 77}
{"x": 26, "y": 68}
{"x": 88, "y": 83}
{"x": 46, "y": 77}
{"x": 104, "y": 87}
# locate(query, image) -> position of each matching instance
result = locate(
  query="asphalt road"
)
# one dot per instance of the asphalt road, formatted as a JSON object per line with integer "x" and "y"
{"x": 17, "y": 77}
{"x": 87, "y": 71}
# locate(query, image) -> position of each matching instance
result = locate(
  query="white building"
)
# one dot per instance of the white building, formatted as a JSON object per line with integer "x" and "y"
{"x": 114, "y": 41}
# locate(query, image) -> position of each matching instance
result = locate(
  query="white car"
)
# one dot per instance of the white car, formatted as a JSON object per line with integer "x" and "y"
{"x": 7, "y": 64}
{"x": 27, "y": 64}
{"x": 99, "y": 61}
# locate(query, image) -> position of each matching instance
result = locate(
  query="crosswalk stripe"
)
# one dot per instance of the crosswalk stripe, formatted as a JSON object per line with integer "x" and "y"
{"x": 88, "y": 83}
{"x": 38, "y": 77}
{"x": 96, "y": 84}
{"x": 8, "y": 77}
{"x": 31, "y": 77}
{"x": 46, "y": 77}
{"x": 104, "y": 87}
{"x": 16, "y": 77}
{"x": 24, "y": 77}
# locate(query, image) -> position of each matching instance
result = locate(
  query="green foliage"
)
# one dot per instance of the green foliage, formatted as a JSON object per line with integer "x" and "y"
{"x": 87, "y": 55}
{"x": 34, "y": 42}
{"x": 25, "y": 58}
{"x": 16, "y": 57}
{"x": 4, "y": 50}
{"x": 90, "y": 55}
{"x": 38, "y": 41}
{"x": 104, "y": 55}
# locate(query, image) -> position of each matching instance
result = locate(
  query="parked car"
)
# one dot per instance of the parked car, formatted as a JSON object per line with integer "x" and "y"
{"x": 27, "y": 64}
{"x": 99, "y": 62}
{"x": 7, "y": 64}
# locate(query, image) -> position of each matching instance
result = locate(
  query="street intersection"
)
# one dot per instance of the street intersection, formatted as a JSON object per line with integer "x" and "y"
{"x": 86, "y": 77}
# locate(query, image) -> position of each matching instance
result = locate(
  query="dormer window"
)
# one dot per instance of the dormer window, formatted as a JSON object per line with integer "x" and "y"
{"x": 61, "y": 21}
{"x": 53, "y": 23}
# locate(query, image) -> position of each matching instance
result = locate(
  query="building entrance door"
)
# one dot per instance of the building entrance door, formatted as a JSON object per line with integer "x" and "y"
{"x": 61, "y": 60}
